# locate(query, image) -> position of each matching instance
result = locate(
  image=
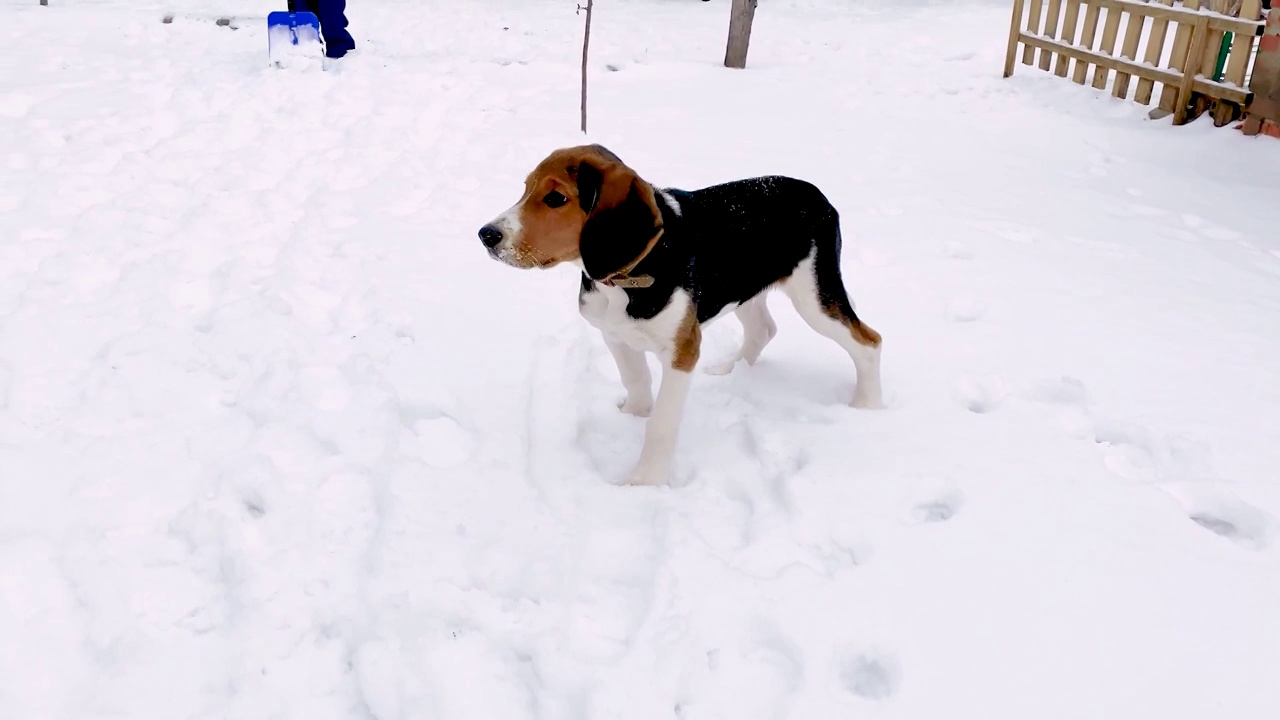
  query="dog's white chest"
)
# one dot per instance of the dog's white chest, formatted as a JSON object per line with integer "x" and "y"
{"x": 606, "y": 309}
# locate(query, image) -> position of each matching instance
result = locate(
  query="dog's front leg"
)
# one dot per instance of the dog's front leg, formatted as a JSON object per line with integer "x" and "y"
{"x": 662, "y": 429}
{"x": 663, "y": 426}
{"x": 634, "y": 372}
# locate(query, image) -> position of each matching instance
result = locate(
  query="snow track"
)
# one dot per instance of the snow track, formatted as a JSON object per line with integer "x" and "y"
{"x": 278, "y": 440}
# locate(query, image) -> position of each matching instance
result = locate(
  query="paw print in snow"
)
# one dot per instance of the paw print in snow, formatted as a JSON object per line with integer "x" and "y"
{"x": 871, "y": 676}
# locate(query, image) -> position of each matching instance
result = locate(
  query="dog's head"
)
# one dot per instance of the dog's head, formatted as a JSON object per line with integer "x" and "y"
{"x": 581, "y": 203}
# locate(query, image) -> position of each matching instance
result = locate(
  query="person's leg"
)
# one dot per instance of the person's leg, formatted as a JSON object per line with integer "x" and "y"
{"x": 333, "y": 24}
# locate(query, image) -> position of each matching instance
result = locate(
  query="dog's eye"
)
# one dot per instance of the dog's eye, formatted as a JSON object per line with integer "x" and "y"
{"x": 555, "y": 199}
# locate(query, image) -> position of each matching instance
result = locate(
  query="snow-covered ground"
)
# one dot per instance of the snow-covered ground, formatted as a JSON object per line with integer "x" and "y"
{"x": 278, "y": 440}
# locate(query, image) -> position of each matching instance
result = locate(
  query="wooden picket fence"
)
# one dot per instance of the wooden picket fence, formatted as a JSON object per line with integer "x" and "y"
{"x": 1199, "y": 50}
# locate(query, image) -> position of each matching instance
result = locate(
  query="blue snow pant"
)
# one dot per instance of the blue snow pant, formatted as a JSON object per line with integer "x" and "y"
{"x": 333, "y": 24}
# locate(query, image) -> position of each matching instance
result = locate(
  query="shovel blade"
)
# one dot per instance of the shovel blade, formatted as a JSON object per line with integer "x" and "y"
{"x": 293, "y": 33}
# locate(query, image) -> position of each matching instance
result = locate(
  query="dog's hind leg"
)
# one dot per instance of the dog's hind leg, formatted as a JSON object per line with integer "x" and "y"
{"x": 818, "y": 293}
{"x": 758, "y": 329}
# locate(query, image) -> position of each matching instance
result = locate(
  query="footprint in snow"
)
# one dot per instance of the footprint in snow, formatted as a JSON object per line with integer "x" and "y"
{"x": 1223, "y": 515}
{"x": 932, "y": 511}
{"x": 979, "y": 395}
{"x": 1134, "y": 453}
{"x": 933, "y": 500}
{"x": 254, "y": 504}
{"x": 251, "y": 481}
{"x": 869, "y": 675}
{"x": 1128, "y": 451}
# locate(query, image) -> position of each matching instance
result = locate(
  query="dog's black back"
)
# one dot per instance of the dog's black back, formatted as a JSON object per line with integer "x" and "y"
{"x": 726, "y": 243}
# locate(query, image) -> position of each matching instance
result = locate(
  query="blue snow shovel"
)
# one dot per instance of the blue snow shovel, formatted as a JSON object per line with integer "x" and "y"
{"x": 289, "y": 28}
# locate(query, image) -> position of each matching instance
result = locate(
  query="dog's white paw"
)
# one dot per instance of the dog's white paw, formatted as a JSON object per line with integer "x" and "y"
{"x": 638, "y": 405}
{"x": 863, "y": 403}
{"x": 645, "y": 475}
{"x": 867, "y": 396}
{"x": 721, "y": 368}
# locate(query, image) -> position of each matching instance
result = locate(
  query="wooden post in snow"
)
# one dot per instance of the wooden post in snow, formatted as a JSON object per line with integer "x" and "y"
{"x": 735, "y": 55}
{"x": 586, "y": 41}
{"x": 1264, "y": 113}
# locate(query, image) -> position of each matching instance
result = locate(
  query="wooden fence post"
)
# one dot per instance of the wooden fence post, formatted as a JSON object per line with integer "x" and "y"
{"x": 735, "y": 54}
{"x": 1015, "y": 29}
{"x": 1264, "y": 113}
{"x": 1199, "y": 41}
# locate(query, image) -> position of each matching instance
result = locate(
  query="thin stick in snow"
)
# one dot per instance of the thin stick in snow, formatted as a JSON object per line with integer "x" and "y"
{"x": 586, "y": 41}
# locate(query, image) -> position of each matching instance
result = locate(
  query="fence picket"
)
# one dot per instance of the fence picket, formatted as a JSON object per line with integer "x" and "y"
{"x": 1155, "y": 50}
{"x": 1071, "y": 20}
{"x": 1108, "y": 46}
{"x": 1214, "y": 40}
{"x": 1129, "y": 51}
{"x": 1087, "y": 34}
{"x": 1199, "y": 41}
{"x": 1178, "y": 58}
{"x": 1033, "y": 27}
{"x": 1242, "y": 45}
{"x": 1050, "y": 30}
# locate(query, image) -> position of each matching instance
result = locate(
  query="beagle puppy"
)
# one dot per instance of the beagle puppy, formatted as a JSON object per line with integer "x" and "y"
{"x": 659, "y": 264}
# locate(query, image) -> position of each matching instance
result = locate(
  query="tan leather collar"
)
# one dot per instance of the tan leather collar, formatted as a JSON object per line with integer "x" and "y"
{"x": 620, "y": 278}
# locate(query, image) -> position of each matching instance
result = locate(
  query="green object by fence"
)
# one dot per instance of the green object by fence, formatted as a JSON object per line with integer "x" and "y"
{"x": 1224, "y": 49}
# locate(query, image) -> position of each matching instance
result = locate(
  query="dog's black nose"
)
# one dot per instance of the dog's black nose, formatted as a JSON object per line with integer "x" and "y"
{"x": 490, "y": 236}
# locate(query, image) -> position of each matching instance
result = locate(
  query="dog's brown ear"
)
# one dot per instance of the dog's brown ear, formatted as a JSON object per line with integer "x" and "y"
{"x": 590, "y": 183}
{"x": 590, "y": 174}
{"x": 622, "y": 217}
